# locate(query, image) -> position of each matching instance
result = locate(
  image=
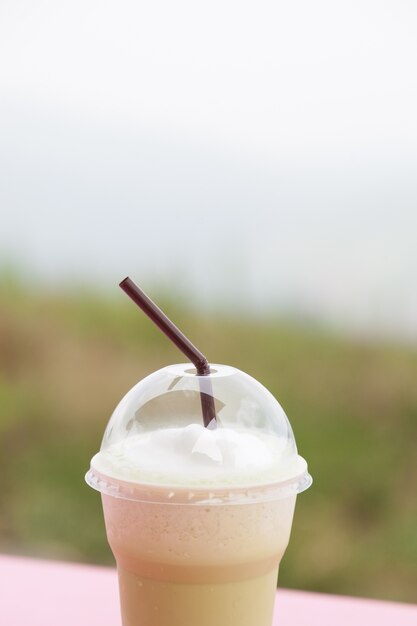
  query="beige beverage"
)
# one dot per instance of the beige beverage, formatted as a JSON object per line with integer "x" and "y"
{"x": 198, "y": 518}
{"x": 197, "y": 565}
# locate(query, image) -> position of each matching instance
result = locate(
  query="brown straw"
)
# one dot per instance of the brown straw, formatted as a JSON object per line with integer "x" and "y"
{"x": 179, "y": 339}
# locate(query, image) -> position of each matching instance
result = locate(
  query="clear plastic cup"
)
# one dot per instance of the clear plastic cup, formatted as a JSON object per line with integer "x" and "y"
{"x": 198, "y": 519}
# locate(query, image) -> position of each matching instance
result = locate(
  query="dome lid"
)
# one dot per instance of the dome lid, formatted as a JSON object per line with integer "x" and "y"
{"x": 155, "y": 441}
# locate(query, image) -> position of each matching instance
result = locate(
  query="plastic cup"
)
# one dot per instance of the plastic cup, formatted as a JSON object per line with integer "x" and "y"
{"x": 198, "y": 519}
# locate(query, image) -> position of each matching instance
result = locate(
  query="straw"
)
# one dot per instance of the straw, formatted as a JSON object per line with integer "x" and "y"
{"x": 180, "y": 340}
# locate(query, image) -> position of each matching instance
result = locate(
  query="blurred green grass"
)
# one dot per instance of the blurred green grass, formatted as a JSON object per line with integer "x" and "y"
{"x": 67, "y": 358}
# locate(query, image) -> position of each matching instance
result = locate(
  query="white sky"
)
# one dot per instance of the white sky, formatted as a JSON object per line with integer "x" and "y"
{"x": 275, "y": 144}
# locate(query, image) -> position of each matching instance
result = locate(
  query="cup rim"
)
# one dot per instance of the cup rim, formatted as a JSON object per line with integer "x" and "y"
{"x": 198, "y": 495}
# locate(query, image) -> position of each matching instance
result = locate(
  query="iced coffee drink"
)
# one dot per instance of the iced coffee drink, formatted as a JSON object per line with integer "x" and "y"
{"x": 198, "y": 518}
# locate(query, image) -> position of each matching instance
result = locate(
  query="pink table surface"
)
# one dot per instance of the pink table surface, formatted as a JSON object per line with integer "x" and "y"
{"x": 49, "y": 593}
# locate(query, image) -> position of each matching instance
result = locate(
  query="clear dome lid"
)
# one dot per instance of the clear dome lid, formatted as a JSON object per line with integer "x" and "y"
{"x": 156, "y": 443}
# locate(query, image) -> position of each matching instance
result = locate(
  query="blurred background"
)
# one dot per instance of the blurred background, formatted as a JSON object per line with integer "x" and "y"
{"x": 253, "y": 166}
